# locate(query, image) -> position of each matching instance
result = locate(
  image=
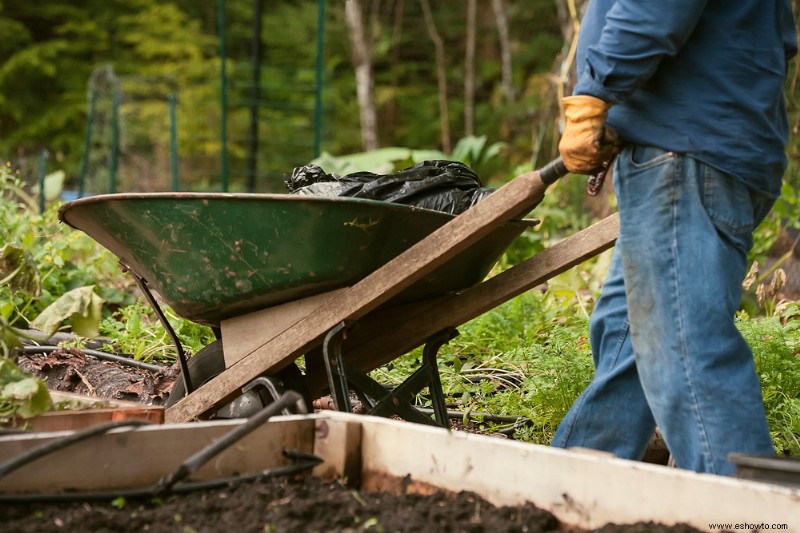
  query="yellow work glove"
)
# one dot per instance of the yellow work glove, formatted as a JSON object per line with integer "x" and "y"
{"x": 583, "y": 145}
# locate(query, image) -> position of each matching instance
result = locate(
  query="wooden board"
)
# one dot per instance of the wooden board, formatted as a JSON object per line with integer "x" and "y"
{"x": 246, "y": 333}
{"x": 584, "y": 490}
{"x": 135, "y": 458}
{"x": 85, "y": 418}
{"x": 513, "y": 199}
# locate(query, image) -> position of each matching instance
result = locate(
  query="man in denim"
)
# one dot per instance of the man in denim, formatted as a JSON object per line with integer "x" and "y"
{"x": 694, "y": 90}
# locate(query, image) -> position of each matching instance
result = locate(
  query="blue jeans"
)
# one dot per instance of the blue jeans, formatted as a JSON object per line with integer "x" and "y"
{"x": 665, "y": 347}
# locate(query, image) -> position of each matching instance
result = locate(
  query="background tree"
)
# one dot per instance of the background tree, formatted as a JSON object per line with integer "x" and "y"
{"x": 361, "y": 39}
{"x": 505, "y": 49}
{"x": 469, "y": 69}
{"x": 441, "y": 74}
{"x": 506, "y": 88}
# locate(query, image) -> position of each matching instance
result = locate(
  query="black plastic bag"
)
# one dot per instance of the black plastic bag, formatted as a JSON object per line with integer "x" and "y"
{"x": 447, "y": 186}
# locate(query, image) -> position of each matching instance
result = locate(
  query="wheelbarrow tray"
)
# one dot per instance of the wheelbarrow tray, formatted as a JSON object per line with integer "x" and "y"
{"x": 213, "y": 256}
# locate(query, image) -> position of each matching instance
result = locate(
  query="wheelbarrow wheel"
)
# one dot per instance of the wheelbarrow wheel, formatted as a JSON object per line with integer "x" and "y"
{"x": 210, "y": 362}
{"x": 206, "y": 364}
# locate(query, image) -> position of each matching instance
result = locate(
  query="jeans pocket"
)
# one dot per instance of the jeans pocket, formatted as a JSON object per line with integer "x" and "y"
{"x": 641, "y": 157}
{"x": 728, "y": 201}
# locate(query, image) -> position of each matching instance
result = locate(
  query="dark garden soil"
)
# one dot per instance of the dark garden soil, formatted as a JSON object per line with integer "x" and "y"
{"x": 299, "y": 504}
{"x": 293, "y": 506}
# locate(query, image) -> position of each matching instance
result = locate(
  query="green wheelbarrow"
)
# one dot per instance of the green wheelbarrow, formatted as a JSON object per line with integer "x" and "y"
{"x": 349, "y": 284}
{"x": 214, "y": 257}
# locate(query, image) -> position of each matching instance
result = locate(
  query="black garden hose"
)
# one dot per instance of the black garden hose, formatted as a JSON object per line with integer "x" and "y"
{"x": 98, "y": 354}
{"x": 173, "y": 483}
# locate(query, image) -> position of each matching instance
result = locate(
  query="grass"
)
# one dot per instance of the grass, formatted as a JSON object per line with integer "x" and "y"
{"x": 775, "y": 342}
{"x": 517, "y": 360}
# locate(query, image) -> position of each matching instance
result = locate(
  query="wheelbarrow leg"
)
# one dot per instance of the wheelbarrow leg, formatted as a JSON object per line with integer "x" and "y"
{"x": 334, "y": 365}
{"x": 387, "y": 401}
{"x": 429, "y": 354}
{"x": 398, "y": 401}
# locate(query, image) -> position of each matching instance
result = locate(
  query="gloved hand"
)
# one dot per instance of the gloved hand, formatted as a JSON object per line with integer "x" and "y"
{"x": 584, "y": 145}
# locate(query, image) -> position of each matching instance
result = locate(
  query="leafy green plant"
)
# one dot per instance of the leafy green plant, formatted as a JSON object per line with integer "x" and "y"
{"x": 20, "y": 394}
{"x": 472, "y": 151}
{"x": 767, "y": 275}
{"x": 380, "y": 161}
{"x": 42, "y": 259}
{"x": 529, "y": 359}
{"x": 775, "y": 342}
{"x": 57, "y": 278}
{"x": 520, "y": 360}
{"x": 136, "y": 330}
{"x": 80, "y": 307}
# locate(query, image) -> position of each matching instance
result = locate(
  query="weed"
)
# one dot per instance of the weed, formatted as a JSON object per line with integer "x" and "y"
{"x": 776, "y": 348}
{"x": 137, "y": 331}
{"x": 119, "y": 503}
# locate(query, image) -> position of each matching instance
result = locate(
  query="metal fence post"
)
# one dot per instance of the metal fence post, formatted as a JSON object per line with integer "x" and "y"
{"x": 86, "y": 143}
{"x": 173, "y": 140}
{"x": 320, "y": 76}
{"x": 223, "y": 96}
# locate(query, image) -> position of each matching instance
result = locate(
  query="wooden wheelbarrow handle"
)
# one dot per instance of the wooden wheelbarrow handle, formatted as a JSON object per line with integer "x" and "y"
{"x": 552, "y": 171}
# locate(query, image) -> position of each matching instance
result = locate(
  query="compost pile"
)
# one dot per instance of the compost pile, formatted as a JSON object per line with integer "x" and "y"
{"x": 292, "y": 506}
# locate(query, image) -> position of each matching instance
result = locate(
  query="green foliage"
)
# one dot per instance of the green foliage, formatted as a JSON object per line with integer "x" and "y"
{"x": 20, "y": 394}
{"x": 380, "y": 161}
{"x": 519, "y": 360}
{"x": 80, "y": 307}
{"x": 762, "y": 285}
{"x": 18, "y": 270}
{"x": 529, "y": 359}
{"x": 160, "y": 48}
{"x": 58, "y": 278}
{"x": 119, "y": 503}
{"x": 776, "y": 346}
{"x": 784, "y": 214}
{"x": 472, "y": 151}
{"x": 9, "y": 339}
{"x": 137, "y": 331}
{"x": 45, "y": 67}
{"x": 44, "y": 260}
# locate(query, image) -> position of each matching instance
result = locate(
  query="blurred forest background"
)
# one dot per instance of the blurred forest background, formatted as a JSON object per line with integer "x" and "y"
{"x": 209, "y": 95}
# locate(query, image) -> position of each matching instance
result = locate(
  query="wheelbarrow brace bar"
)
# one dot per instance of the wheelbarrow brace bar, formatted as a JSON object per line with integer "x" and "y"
{"x": 182, "y": 361}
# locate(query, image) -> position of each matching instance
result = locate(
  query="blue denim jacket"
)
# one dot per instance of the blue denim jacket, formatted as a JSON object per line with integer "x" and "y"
{"x": 704, "y": 78}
